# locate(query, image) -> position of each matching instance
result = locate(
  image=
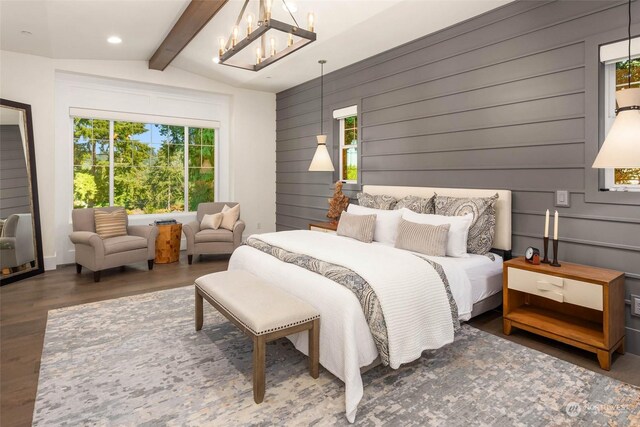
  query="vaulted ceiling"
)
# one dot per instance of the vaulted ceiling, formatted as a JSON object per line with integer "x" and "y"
{"x": 348, "y": 31}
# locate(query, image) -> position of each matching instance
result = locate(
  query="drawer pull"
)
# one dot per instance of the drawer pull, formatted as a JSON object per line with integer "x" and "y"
{"x": 544, "y": 282}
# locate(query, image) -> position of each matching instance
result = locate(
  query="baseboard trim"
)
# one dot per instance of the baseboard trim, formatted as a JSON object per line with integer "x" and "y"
{"x": 50, "y": 263}
{"x": 632, "y": 341}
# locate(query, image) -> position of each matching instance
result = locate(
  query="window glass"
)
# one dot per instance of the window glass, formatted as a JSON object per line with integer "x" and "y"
{"x": 628, "y": 176}
{"x": 349, "y": 149}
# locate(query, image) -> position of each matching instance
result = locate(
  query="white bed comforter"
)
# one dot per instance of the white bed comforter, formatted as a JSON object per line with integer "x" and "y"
{"x": 412, "y": 296}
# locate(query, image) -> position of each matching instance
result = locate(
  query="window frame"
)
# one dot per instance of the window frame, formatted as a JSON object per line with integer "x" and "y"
{"x": 609, "y": 116}
{"x": 340, "y": 115}
{"x": 594, "y": 120}
{"x": 113, "y": 117}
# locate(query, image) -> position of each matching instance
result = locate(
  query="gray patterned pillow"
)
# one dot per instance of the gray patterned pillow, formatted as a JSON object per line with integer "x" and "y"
{"x": 423, "y": 238}
{"x": 376, "y": 202}
{"x": 359, "y": 227}
{"x": 483, "y": 225}
{"x": 417, "y": 204}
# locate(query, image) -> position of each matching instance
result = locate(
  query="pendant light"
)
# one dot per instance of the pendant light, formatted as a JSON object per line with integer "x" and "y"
{"x": 321, "y": 159}
{"x": 621, "y": 148}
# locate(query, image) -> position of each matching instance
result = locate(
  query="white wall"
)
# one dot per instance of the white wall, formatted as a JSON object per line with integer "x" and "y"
{"x": 251, "y": 143}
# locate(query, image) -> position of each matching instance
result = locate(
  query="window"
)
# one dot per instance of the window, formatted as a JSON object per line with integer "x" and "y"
{"x": 348, "y": 118}
{"x": 147, "y": 168}
{"x": 616, "y": 78}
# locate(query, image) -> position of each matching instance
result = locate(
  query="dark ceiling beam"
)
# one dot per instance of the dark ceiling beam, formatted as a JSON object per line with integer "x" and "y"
{"x": 197, "y": 14}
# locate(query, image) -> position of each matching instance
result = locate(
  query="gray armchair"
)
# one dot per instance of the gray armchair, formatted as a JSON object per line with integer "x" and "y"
{"x": 99, "y": 254}
{"x": 17, "y": 242}
{"x": 210, "y": 241}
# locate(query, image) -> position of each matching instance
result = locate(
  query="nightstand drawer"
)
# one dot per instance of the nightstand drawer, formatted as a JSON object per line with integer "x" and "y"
{"x": 556, "y": 288}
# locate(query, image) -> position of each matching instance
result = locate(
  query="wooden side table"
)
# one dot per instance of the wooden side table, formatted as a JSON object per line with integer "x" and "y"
{"x": 324, "y": 227}
{"x": 576, "y": 304}
{"x": 168, "y": 243}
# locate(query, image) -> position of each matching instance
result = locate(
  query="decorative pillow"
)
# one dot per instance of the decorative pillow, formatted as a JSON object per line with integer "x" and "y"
{"x": 376, "y": 202}
{"x": 387, "y": 222}
{"x": 359, "y": 227}
{"x": 424, "y": 238}
{"x": 458, "y": 229}
{"x": 212, "y": 221}
{"x": 417, "y": 204}
{"x": 230, "y": 216}
{"x": 110, "y": 224}
{"x": 483, "y": 225}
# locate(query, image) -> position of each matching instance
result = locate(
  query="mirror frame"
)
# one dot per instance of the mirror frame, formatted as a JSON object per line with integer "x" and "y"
{"x": 33, "y": 181}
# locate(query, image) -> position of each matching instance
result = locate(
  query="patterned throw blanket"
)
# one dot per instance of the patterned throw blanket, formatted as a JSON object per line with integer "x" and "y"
{"x": 355, "y": 283}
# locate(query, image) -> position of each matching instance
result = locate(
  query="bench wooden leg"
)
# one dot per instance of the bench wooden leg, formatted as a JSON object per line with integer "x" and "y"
{"x": 259, "y": 356}
{"x": 314, "y": 348}
{"x": 199, "y": 315}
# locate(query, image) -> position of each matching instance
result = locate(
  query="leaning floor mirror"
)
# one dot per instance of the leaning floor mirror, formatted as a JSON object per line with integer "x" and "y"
{"x": 20, "y": 238}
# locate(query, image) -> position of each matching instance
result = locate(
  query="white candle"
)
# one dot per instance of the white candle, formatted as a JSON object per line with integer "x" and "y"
{"x": 555, "y": 226}
{"x": 546, "y": 224}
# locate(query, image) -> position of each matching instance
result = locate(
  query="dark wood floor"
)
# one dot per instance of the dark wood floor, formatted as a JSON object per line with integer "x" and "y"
{"x": 23, "y": 318}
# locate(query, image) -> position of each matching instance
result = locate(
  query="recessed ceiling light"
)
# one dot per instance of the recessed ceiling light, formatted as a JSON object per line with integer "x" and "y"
{"x": 290, "y": 5}
{"x": 114, "y": 40}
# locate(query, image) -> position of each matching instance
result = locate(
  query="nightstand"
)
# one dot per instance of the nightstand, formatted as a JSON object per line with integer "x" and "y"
{"x": 578, "y": 305}
{"x": 324, "y": 227}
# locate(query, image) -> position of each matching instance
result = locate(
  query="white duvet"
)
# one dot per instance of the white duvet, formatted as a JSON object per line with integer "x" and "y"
{"x": 411, "y": 294}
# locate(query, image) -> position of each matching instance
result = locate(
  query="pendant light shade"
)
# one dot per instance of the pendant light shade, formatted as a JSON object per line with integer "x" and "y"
{"x": 621, "y": 148}
{"x": 321, "y": 161}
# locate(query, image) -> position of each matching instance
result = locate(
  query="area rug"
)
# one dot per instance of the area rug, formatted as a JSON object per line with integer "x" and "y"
{"x": 138, "y": 361}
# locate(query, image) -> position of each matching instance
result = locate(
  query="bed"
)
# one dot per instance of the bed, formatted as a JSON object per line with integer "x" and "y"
{"x": 348, "y": 342}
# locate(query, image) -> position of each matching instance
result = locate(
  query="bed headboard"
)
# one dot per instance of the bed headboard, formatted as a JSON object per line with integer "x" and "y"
{"x": 502, "y": 239}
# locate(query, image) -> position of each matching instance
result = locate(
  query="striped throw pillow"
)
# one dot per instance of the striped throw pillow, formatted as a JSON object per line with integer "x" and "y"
{"x": 359, "y": 227}
{"x": 110, "y": 224}
{"x": 423, "y": 238}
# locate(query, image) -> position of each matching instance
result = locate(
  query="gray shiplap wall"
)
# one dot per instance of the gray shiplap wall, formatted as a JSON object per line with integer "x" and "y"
{"x": 494, "y": 102}
{"x": 14, "y": 182}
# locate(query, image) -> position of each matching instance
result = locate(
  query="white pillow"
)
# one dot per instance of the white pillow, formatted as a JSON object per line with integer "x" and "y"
{"x": 458, "y": 229}
{"x": 387, "y": 222}
{"x": 212, "y": 221}
{"x": 230, "y": 216}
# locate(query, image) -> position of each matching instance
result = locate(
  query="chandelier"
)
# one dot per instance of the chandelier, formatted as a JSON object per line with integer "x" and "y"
{"x": 265, "y": 31}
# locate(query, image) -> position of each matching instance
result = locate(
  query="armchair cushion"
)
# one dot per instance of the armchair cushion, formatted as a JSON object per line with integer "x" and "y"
{"x": 209, "y": 235}
{"x": 111, "y": 224}
{"x": 118, "y": 244}
{"x": 212, "y": 221}
{"x": 230, "y": 216}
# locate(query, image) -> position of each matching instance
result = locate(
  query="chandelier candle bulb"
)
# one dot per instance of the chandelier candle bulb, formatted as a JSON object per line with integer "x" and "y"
{"x": 258, "y": 55}
{"x": 221, "y": 49}
{"x": 249, "y": 24}
{"x": 290, "y": 40}
{"x": 234, "y": 37}
{"x": 311, "y": 21}
{"x": 267, "y": 13}
{"x": 273, "y": 46}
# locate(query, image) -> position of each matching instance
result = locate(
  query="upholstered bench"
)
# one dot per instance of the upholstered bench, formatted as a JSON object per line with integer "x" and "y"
{"x": 263, "y": 312}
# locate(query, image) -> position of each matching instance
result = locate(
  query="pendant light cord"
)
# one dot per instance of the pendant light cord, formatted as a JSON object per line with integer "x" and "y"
{"x": 322, "y": 96}
{"x": 629, "y": 30}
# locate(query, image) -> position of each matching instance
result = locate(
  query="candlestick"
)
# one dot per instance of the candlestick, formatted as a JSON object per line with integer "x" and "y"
{"x": 545, "y": 240}
{"x": 546, "y": 224}
{"x": 555, "y": 262}
{"x": 555, "y": 226}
